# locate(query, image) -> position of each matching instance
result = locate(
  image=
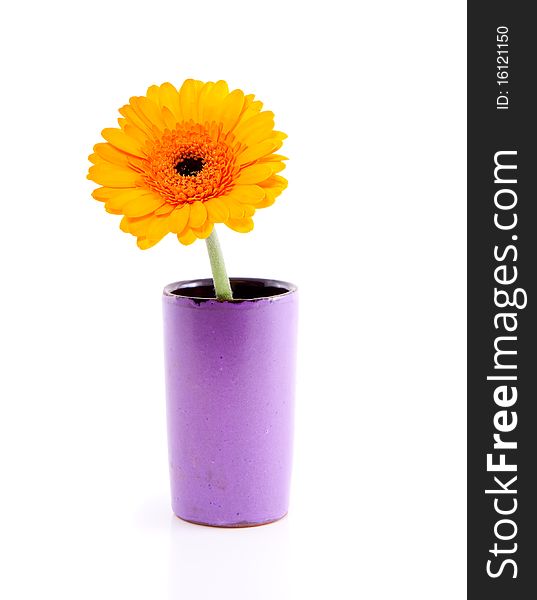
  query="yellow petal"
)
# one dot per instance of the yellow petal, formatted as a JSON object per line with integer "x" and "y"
{"x": 137, "y": 226}
{"x": 169, "y": 98}
{"x": 255, "y": 135}
{"x": 132, "y": 118}
{"x": 255, "y": 129}
{"x": 165, "y": 209}
{"x": 273, "y": 187}
{"x": 137, "y": 135}
{"x": 236, "y": 209}
{"x": 273, "y": 157}
{"x": 122, "y": 141}
{"x": 145, "y": 243}
{"x": 179, "y": 218}
{"x": 276, "y": 166}
{"x": 188, "y": 98}
{"x": 257, "y": 151}
{"x": 247, "y": 194}
{"x": 274, "y": 181}
{"x": 158, "y": 228}
{"x": 146, "y": 124}
{"x": 153, "y": 93}
{"x": 152, "y": 112}
{"x": 251, "y": 107}
{"x": 112, "y": 211}
{"x": 241, "y": 225}
{"x": 249, "y": 210}
{"x": 231, "y": 110}
{"x": 204, "y": 231}
{"x": 113, "y": 176}
{"x": 112, "y": 155}
{"x": 255, "y": 173}
{"x": 119, "y": 200}
{"x": 204, "y": 93}
{"x": 105, "y": 193}
{"x": 269, "y": 199}
{"x": 143, "y": 205}
{"x": 198, "y": 214}
{"x": 169, "y": 118}
{"x": 217, "y": 210}
{"x": 212, "y": 101}
{"x": 187, "y": 237}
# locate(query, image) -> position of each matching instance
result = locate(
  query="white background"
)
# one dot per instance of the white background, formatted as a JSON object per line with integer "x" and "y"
{"x": 371, "y": 228}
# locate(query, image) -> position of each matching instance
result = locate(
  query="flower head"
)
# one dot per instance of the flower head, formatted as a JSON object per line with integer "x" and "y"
{"x": 182, "y": 160}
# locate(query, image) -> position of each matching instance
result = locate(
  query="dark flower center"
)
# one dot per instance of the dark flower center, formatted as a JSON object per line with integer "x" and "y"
{"x": 190, "y": 166}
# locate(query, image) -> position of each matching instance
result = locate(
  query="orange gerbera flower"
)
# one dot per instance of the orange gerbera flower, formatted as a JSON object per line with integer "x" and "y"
{"x": 181, "y": 161}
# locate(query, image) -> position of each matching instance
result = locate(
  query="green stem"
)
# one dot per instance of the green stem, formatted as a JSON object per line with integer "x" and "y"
{"x": 222, "y": 286}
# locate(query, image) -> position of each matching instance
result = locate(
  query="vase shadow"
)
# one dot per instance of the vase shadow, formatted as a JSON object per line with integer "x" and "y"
{"x": 211, "y": 562}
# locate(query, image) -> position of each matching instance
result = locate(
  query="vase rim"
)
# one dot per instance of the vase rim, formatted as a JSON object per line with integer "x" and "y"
{"x": 253, "y": 288}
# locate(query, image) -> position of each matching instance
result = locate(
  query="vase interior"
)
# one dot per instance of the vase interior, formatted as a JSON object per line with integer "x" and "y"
{"x": 243, "y": 288}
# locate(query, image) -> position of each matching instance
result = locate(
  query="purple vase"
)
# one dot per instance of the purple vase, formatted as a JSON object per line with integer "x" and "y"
{"x": 230, "y": 378}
